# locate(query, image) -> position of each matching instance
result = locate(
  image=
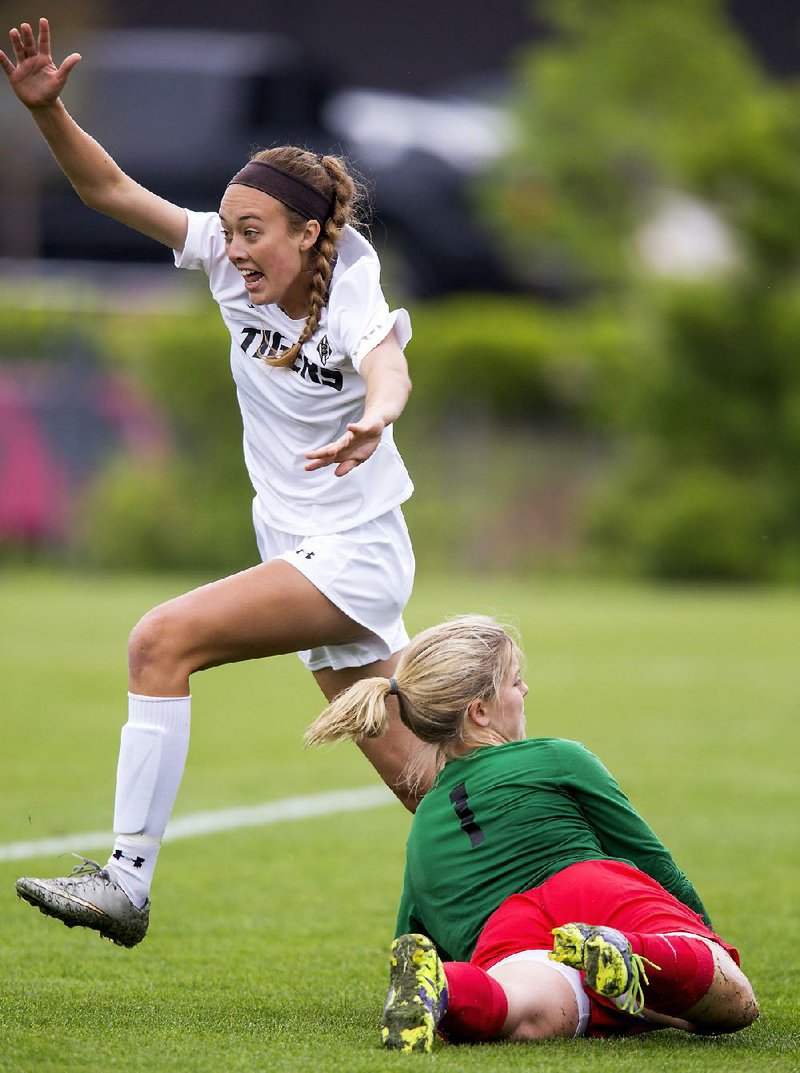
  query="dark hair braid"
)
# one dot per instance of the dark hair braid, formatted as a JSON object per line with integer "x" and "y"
{"x": 329, "y": 175}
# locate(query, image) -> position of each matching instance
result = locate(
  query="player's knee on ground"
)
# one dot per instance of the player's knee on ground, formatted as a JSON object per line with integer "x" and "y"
{"x": 748, "y": 1008}
{"x": 741, "y": 1002}
{"x": 729, "y": 1004}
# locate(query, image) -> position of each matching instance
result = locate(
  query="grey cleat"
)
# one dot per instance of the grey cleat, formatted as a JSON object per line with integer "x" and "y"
{"x": 89, "y": 898}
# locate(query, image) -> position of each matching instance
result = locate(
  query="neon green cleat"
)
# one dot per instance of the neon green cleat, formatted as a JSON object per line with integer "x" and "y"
{"x": 604, "y": 955}
{"x": 568, "y": 944}
{"x": 417, "y": 998}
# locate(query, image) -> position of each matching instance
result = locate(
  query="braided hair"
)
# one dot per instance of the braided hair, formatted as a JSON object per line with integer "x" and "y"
{"x": 329, "y": 175}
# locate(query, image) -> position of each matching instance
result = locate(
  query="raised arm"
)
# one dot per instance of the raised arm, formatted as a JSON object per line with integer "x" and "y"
{"x": 98, "y": 180}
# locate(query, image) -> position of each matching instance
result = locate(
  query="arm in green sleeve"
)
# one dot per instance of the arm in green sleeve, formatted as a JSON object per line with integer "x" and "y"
{"x": 408, "y": 916}
{"x": 409, "y": 920}
{"x": 620, "y": 829}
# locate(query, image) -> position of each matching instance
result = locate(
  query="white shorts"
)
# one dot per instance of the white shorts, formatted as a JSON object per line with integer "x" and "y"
{"x": 367, "y": 572}
{"x": 572, "y": 976}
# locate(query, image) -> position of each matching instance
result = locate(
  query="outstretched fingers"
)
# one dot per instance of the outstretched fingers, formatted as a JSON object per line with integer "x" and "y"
{"x": 68, "y": 64}
{"x": 356, "y": 445}
{"x": 324, "y": 456}
{"x": 18, "y": 49}
{"x": 23, "y": 46}
{"x": 17, "y": 46}
{"x": 44, "y": 37}
{"x": 44, "y": 49}
{"x": 34, "y": 76}
{"x": 28, "y": 41}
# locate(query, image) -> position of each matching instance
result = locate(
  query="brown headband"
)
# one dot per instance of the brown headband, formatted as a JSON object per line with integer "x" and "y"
{"x": 293, "y": 192}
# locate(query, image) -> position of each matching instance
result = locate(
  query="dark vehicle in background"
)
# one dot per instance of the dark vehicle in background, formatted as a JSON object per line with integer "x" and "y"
{"x": 181, "y": 110}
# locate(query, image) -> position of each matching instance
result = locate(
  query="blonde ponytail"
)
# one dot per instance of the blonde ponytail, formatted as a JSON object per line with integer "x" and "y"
{"x": 441, "y": 672}
{"x": 358, "y": 712}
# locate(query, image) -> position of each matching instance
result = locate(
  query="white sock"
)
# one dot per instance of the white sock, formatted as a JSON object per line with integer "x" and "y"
{"x": 155, "y": 741}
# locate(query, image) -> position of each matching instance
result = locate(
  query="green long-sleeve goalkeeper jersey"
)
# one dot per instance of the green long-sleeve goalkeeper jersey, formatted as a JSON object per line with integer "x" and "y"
{"x": 506, "y": 817}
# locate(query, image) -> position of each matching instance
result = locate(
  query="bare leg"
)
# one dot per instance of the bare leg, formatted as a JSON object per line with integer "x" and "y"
{"x": 541, "y": 1003}
{"x": 265, "y": 611}
{"x": 391, "y": 752}
{"x": 729, "y": 1004}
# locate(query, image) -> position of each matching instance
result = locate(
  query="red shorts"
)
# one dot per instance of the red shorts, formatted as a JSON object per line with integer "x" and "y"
{"x": 593, "y": 892}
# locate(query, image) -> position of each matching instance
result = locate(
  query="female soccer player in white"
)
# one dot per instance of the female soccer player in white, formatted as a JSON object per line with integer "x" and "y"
{"x": 320, "y": 373}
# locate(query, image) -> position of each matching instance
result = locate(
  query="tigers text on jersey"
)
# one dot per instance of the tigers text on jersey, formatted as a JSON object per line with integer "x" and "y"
{"x": 505, "y": 818}
{"x": 289, "y": 411}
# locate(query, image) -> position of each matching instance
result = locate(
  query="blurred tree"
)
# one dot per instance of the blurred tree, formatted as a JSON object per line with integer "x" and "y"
{"x": 627, "y": 101}
{"x": 661, "y": 168}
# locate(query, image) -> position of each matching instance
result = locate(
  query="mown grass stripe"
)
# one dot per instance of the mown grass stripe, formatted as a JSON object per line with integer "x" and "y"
{"x": 205, "y": 823}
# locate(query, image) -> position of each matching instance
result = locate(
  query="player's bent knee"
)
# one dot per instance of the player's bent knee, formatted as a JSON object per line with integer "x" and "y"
{"x": 729, "y": 1006}
{"x": 741, "y": 1000}
{"x": 159, "y": 640}
{"x": 748, "y": 1009}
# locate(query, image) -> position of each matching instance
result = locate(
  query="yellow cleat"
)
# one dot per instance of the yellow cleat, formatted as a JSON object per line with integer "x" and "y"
{"x": 609, "y": 965}
{"x": 417, "y": 997}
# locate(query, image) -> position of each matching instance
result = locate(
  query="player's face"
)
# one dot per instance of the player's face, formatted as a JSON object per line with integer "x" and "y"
{"x": 270, "y": 257}
{"x": 507, "y": 711}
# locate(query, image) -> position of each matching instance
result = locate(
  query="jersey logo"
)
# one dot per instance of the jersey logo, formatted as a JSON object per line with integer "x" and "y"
{"x": 460, "y": 802}
{"x": 262, "y": 343}
{"x": 324, "y": 350}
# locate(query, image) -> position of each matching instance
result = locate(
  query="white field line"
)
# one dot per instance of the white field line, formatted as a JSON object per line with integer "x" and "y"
{"x": 207, "y": 823}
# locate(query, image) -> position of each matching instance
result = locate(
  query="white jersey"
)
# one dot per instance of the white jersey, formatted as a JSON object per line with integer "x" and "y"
{"x": 289, "y": 411}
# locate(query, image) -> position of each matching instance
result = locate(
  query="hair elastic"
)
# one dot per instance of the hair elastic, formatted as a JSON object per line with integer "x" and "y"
{"x": 290, "y": 190}
{"x": 393, "y": 690}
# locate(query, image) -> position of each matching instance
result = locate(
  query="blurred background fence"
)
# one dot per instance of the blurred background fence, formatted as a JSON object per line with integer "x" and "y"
{"x": 597, "y": 234}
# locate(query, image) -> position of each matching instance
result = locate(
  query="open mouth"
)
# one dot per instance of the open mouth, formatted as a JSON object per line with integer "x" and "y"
{"x": 251, "y": 278}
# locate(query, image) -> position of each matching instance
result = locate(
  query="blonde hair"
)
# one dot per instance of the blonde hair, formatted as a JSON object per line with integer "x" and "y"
{"x": 330, "y": 176}
{"x": 441, "y": 672}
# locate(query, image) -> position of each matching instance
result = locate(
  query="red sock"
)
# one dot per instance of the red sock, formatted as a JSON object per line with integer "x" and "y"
{"x": 686, "y": 969}
{"x": 477, "y": 1006}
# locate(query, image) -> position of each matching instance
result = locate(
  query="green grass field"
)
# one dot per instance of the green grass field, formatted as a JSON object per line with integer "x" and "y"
{"x": 267, "y": 947}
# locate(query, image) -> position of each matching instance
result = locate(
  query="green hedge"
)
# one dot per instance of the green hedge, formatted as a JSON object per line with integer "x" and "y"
{"x": 511, "y": 359}
{"x": 710, "y": 422}
{"x": 661, "y": 438}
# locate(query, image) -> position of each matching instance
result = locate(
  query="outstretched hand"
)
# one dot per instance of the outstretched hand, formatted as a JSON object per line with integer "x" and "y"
{"x": 35, "y": 78}
{"x": 350, "y": 450}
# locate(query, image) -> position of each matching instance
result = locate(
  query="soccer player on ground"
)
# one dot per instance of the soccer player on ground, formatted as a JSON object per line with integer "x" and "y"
{"x": 537, "y": 902}
{"x": 320, "y": 373}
